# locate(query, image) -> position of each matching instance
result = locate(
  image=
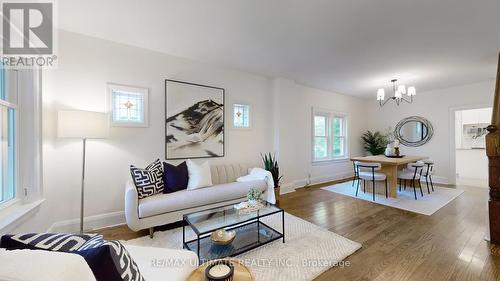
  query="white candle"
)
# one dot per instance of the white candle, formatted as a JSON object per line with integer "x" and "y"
{"x": 219, "y": 270}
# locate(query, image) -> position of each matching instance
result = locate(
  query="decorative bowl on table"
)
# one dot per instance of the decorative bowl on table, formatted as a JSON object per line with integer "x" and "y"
{"x": 395, "y": 156}
{"x": 223, "y": 237}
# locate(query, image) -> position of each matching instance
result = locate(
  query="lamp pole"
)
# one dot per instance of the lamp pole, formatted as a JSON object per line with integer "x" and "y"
{"x": 82, "y": 187}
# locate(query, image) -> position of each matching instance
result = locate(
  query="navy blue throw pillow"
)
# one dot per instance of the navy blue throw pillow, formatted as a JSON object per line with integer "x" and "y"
{"x": 109, "y": 261}
{"x": 175, "y": 178}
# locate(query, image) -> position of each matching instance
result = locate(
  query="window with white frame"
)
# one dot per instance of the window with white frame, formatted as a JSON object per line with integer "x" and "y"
{"x": 329, "y": 135}
{"x": 241, "y": 115}
{"x": 8, "y": 138}
{"x": 129, "y": 105}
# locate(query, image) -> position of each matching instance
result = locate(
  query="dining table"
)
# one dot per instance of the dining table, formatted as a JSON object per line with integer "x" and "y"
{"x": 390, "y": 166}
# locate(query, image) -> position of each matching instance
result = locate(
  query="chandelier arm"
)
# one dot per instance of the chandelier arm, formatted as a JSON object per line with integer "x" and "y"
{"x": 385, "y": 101}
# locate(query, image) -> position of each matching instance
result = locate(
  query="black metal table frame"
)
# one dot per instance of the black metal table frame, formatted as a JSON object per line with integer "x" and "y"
{"x": 201, "y": 235}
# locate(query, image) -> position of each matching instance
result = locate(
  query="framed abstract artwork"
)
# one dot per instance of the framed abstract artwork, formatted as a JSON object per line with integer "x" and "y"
{"x": 194, "y": 120}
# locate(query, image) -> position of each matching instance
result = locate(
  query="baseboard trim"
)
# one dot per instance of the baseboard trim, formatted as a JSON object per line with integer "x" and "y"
{"x": 292, "y": 186}
{"x": 89, "y": 223}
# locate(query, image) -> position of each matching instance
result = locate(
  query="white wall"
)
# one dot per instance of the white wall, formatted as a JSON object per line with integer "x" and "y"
{"x": 85, "y": 66}
{"x": 438, "y": 107}
{"x": 294, "y": 129}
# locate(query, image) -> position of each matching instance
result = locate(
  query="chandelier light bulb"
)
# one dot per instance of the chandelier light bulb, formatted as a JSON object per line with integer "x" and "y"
{"x": 380, "y": 94}
{"x": 398, "y": 94}
{"x": 402, "y": 89}
{"x": 412, "y": 91}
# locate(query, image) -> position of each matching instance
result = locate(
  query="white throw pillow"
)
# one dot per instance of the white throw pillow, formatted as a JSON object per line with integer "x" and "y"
{"x": 199, "y": 175}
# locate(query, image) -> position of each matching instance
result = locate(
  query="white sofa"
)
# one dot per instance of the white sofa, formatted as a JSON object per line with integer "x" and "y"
{"x": 163, "y": 209}
{"x": 155, "y": 264}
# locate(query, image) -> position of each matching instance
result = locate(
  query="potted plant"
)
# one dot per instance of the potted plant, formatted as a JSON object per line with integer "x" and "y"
{"x": 375, "y": 143}
{"x": 271, "y": 165}
{"x": 253, "y": 196}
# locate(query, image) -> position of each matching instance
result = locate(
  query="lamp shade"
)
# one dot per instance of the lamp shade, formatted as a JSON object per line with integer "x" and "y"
{"x": 412, "y": 91}
{"x": 380, "y": 94}
{"x": 82, "y": 124}
{"x": 402, "y": 89}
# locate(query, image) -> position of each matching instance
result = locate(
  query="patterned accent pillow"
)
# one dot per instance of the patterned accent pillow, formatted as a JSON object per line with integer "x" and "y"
{"x": 61, "y": 242}
{"x": 110, "y": 261}
{"x": 148, "y": 181}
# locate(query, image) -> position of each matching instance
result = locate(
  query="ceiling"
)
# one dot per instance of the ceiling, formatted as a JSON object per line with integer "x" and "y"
{"x": 350, "y": 47}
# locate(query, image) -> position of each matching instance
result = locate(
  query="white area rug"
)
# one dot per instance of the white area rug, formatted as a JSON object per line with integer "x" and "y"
{"x": 426, "y": 205}
{"x": 308, "y": 251}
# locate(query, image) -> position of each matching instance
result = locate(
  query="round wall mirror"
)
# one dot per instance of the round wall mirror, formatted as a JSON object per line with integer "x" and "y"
{"x": 414, "y": 131}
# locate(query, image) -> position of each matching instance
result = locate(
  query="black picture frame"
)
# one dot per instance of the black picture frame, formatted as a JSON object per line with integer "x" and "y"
{"x": 167, "y": 117}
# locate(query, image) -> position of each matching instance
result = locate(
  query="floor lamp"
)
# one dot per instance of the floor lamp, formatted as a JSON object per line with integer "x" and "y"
{"x": 82, "y": 125}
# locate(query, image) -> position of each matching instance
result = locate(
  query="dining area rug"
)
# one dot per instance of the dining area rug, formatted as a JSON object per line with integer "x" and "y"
{"x": 426, "y": 205}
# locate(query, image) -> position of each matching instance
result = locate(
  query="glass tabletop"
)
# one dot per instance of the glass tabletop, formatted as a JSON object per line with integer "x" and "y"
{"x": 212, "y": 219}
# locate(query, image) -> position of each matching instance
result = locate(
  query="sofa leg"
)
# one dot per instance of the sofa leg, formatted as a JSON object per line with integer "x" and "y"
{"x": 151, "y": 232}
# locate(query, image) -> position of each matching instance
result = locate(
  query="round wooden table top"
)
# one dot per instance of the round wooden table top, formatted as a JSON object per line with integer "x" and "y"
{"x": 241, "y": 272}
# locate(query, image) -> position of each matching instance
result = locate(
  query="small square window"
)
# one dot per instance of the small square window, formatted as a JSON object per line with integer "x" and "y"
{"x": 241, "y": 116}
{"x": 128, "y": 106}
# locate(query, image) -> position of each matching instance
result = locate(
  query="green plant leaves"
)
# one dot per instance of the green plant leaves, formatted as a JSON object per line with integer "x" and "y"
{"x": 271, "y": 165}
{"x": 375, "y": 143}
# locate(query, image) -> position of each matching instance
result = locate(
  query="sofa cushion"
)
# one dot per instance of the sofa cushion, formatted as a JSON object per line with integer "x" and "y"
{"x": 148, "y": 181}
{"x": 162, "y": 263}
{"x": 199, "y": 175}
{"x": 186, "y": 199}
{"x": 42, "y": 265}
{"x": 175, "y": 178}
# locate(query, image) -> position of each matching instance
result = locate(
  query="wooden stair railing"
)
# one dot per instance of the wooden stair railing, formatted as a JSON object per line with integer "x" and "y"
{"x": 493, "y": 153}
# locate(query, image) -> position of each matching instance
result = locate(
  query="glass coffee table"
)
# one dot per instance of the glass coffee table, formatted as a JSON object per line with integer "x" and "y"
{"x": 251, "y": 232}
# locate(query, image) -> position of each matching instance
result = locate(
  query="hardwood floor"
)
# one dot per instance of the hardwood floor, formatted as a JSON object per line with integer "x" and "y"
{"x": 397, "y": 245}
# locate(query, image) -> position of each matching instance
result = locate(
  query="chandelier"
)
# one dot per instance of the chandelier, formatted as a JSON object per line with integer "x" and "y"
{"x": 398, "y": 94}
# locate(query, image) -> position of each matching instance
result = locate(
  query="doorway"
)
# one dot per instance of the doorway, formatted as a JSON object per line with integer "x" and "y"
{"x": 471, "y": 162}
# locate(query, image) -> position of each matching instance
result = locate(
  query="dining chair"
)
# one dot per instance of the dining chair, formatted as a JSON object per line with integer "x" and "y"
{"x": 356, "y": 176}
{"x": 427, "y": 173}
{"x": 413, "y": 173}
{"x": 367, "y": 172}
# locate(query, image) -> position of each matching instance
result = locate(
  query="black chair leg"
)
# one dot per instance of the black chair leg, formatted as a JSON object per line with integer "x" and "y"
{"x": 386, "y": 193}
{"x": 357, "y": 187}
{"x": 364, "y": 186}
{"x": 427, "y": 183}
{"x": 432, "y": 184}
{"x": 404, "y": 185}
{"x": 373, "y": 190}
{"x": 420, "y": 186}
{"x": 414, "y": 190}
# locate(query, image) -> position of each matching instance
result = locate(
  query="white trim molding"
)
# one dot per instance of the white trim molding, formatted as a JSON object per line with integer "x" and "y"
{"x": 90, "y": 222}
{"x": 13, "y": 216}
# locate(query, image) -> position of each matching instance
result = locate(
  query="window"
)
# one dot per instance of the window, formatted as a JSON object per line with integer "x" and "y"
{"x": 329, "y": 135}
{"x": 128, "y": 106}
{"x": 241, "y": 116}
{"x": 8, "y": 130}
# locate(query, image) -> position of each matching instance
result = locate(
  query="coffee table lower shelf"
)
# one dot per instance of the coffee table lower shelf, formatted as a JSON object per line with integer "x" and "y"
{"x": 248, "y": 236}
